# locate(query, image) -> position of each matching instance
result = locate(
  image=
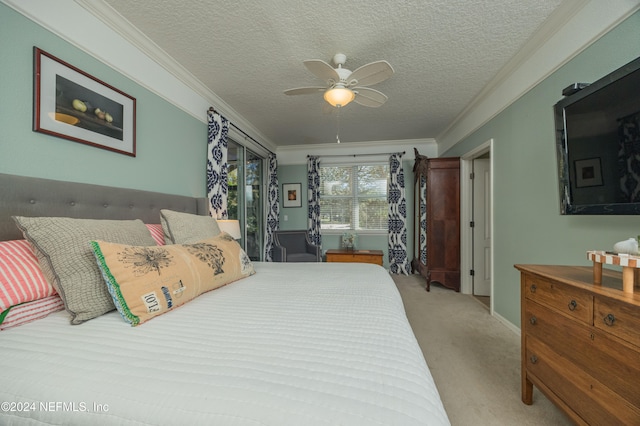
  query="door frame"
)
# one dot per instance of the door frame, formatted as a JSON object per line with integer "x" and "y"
{"x": 466, "y": 214}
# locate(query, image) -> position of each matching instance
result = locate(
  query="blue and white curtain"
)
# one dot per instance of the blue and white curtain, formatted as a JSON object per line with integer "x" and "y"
{"x": 398, "y": 259}
{"x": 422, "y": 230}
{"x": 274, "y": 208}
{"x": 217, "y": 167}
{"x": 629, "y": 156}
{"x": 313, "y": 185}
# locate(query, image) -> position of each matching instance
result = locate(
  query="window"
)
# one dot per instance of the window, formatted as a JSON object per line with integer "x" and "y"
{"x": 354, "y": 197}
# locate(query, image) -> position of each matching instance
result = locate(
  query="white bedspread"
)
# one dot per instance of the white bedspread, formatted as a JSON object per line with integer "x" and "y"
{"x": 295, "y": 344}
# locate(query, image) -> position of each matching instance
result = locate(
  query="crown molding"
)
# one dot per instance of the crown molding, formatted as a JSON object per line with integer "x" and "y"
{"x": 547, "y": 30}
{"x": 366, "y": 151}
{"x": 130, "y": 53}
{"x": 135, "y": 37}
{"x": 118, "y": 23}
{"x": 574, "y": 26}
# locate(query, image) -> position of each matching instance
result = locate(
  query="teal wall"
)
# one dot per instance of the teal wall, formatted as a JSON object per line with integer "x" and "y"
{"x": 171, "y": 153}
{"x": 528, "y": 227}
{"x": 297, "y": 217}
{"x": 171, "y": 144}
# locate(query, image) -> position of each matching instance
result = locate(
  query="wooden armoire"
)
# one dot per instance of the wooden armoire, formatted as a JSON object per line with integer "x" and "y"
{"x": 437, "y": 220}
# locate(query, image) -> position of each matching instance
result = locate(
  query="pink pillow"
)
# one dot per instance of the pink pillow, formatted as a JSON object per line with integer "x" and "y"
{"x": 156, "y": 232}
{"x": 31, "y": 311}
{"x": 21, "y": 279}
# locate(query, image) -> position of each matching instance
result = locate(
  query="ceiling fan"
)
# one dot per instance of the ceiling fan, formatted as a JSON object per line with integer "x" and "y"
{"x": 343, "y": 85}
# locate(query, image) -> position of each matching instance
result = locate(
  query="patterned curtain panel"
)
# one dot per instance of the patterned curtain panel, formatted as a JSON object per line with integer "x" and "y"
{"x": 423, "y": 220}
{"x": 398, "y": 259}
{"x": 274, "y": 208}
{"x": 313, "y": 184}
{"x": 217, "y": 167}
{"x": 629, "y": 156}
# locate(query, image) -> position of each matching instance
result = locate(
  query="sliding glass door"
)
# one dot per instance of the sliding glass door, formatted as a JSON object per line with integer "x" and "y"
{"x": 245, "y": 201}
{"x": 254, "y": 205}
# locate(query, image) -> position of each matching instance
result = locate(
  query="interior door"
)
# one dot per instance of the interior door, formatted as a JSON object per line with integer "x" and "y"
{"x": 482, "y": 227}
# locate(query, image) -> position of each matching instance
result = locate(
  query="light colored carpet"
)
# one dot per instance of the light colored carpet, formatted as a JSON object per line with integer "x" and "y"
{"x": 473, "y": 357}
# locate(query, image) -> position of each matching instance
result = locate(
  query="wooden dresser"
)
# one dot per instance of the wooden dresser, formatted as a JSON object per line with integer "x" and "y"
{"x": 357, "y": 256}
{"x": 581, "y": 343}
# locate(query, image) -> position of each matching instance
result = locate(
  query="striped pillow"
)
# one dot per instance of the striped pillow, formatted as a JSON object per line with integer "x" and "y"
{"x": 21, "y": 279}
{"x": 30, "y": 311}
{"x": 156, "y": 232}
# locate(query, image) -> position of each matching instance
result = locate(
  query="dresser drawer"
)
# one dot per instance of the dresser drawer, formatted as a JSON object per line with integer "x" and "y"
{"x": 567, "y": 337}
{"x": 618, "y": 318}
{"x": 594, "y": 402}
{"x": 365, "y": 258}
{"x": 355, "y": 256}
{"x": 567, "y": 300}
{"x": 592, "y": 350}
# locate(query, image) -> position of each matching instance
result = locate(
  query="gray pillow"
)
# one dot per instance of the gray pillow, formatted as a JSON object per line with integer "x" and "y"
{"x": 62, "y": 246}
{"x": 187, "y": 228}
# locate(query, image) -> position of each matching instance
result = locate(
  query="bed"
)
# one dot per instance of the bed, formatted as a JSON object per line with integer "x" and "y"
{"x": 291, "y": 344}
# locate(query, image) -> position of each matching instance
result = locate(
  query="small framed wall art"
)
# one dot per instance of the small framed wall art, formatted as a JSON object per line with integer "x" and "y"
{"x": 71, "y": 104}
{"x": 291, "y": 195}
{"x": 588, "y": 172}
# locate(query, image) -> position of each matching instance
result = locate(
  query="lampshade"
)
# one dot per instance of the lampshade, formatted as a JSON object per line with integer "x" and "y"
{"x": 231, "y": 227}
{"x": 339, "y": 96}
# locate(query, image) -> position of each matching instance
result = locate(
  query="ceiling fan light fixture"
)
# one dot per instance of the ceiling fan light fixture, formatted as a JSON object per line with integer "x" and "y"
{"x": 339, "y": 96}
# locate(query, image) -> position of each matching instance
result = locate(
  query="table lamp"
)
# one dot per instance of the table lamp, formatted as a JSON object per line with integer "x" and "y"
{"x": 231, "y": 227}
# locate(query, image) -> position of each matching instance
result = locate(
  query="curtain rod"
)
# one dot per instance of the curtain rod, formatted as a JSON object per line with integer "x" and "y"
{"x": 242, "y": 131}
{"x": 357, "y": 155}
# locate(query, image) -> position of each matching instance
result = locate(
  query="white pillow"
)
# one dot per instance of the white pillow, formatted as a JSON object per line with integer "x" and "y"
{"x": 187, "y": 228}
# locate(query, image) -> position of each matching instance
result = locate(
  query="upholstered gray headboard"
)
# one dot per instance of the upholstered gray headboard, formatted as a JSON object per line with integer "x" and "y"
{"x": 28, "y": 196}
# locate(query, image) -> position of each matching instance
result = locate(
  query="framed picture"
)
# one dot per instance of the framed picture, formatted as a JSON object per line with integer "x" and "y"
{"x": 588, "y": 172}
{"x": 71, "y": 104}
{"x": 291, "y": 195}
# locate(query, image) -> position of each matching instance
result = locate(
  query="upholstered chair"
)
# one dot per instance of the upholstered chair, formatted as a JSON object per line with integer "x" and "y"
{"x": 295, "y": 246}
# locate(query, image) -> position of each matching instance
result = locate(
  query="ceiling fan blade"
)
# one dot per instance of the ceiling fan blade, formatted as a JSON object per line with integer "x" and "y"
{"x": 304, "y": 90}
{"x": 322, "y": 70}
{"x": 369, "y": 97}
{"x": 370, "y": 74}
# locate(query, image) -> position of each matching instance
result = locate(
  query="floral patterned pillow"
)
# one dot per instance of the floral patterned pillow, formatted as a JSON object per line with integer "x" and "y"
{"x": 148, "y": 281}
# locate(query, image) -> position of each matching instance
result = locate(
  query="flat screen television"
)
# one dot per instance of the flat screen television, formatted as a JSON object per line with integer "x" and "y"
{"x": 598, "y": 145}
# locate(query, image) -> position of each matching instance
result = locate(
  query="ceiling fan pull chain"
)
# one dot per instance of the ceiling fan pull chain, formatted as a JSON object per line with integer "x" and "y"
{"x": 338, "y": 129}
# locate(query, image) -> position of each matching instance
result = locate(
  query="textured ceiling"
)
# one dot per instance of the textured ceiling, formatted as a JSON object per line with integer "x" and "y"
{"x": 248, "y": 52}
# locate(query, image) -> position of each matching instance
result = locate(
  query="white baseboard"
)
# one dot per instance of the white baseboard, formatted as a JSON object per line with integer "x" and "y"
{"x": 507, "y": 323}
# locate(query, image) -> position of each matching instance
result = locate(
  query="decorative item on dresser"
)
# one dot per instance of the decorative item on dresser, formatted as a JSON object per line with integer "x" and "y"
{"x": 437, "y": 220}
{"x": 355, "y": 256}
{"x": 349, "y": 241}
{"x": 581, "y": 343}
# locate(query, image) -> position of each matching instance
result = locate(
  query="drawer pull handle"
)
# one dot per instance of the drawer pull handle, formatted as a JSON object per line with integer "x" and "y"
{"x": 533, "y": 359}
{"x": 533, "y": 320}
{"x": 533, "y": 288}
{"x": 573, "y": 305}
{"x": 609, "y": 320}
